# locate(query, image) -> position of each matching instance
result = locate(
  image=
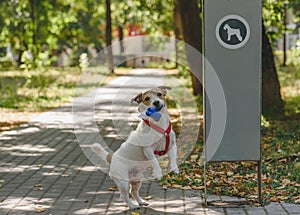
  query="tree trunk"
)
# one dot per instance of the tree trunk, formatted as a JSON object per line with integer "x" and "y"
{"x": 177, "y": 30}
{"x": 121, "y": 37}
{"x": 109, "y": 56}
{"x": 192, "y": 33}
{"x": 272, "y": 104}
{"x": 34, "y": 28}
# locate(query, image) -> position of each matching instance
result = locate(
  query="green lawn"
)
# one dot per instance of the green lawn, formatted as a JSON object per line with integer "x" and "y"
{"x": 35, "y": 91}
{"x": 26, "y": 93}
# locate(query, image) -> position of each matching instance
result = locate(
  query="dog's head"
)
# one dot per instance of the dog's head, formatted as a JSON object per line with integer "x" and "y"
{"x": 154, "y": 98}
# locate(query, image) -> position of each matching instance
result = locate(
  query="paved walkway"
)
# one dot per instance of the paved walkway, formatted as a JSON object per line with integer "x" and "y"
{"x": 44, "y": 171}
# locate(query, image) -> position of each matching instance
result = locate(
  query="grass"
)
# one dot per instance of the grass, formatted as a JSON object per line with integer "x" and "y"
{"x": 27, "y": 93}
{"x": 36, "y": 92}
{"x": 280, "y": 157}
{"x": 281, "y": 168}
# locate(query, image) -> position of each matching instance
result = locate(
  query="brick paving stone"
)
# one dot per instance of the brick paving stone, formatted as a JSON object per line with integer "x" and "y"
{"x": 43, "y": 166}
{"x": 291, "y": 208}
{"x": 256, "y": 211}
{"x": 212, "y": 198}
{"x": 214, "y": 211}
{"x": 175, "y": 201}
{"x": 235, "y": 211}
{"x": 158, "y": 197}
{"x": 193, "y": 202}
{"x": 231, "y": 199}
{"x": 275, "y": 208}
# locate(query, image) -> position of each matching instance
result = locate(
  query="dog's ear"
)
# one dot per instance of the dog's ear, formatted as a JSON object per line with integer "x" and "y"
{"x": 137, "y": 99}
{"x": 164, "y": 88}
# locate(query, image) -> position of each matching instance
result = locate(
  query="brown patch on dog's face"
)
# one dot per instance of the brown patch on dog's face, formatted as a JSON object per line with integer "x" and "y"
{"x": 137, "y": 98}
{"x": 152, "y": 98}
{"x": 152, "y": 95}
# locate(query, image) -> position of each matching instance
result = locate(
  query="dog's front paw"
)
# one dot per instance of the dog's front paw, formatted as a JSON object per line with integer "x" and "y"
{"x": 176, "y": 170}
{"x": 134, "y": 207}
{"x": 158, "y": 175}
{"x": 143, "y": 203}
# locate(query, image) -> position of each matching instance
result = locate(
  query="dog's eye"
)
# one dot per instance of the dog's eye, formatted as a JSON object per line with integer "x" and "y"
{"x": 147, "y": 98}
{"x": 159, "y": 94}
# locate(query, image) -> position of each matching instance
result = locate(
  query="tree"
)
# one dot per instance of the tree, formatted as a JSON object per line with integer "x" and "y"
{"x": 40, "y": 25}
{"x": 295, "y": 4}
{"x": 272, "y": 104}
{"x": 109, "y": 54}
{"x": 191, "y": 26}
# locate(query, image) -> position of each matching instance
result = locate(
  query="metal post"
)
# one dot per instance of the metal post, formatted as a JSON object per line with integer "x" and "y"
{"x": 205, "y": 188}
{"x": 259, "y": 181}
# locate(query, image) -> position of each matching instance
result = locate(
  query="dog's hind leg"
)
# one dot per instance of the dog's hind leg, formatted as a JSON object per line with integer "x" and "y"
{"x": 135, "y": 188}
{"x": 124, "y": 189}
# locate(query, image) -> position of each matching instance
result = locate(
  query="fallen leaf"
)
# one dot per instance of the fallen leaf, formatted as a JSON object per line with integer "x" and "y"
{"x": 218, "y": 190}
{"x": 282, "y": 198}
{"x": 114, "y": 188}
{"x": 65, "y": 175}
{"x": 39, "y": 209}
{"x": 194, "y": 157}
{"x": 198, "y": 187}
{"x": 135, "y": 213}
{"x": 148, "y": 197}
{"x": 176, "y": 186}
{"x": 198, "y": 171}
{"x": 37, "y": 184}
{"x": 274, "y": 199}
{"x": 197, "y": 176}
{"x": 186, "y": 188}
{"x": 257, "y": 204}
{"x": 229, "y": 173}
{"x": 265, "y": 146}
{"x": 240, "y": 183}
{"x": 286, "y": 181}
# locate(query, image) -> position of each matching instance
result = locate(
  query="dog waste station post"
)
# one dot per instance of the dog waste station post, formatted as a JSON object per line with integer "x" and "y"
{"x": 232, "y": 46}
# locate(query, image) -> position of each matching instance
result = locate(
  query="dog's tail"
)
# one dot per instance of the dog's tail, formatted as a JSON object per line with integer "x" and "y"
{"x": 99, "y": 150}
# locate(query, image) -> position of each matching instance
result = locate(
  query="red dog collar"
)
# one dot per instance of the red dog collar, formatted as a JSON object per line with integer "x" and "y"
{"x": 164, "y": 132}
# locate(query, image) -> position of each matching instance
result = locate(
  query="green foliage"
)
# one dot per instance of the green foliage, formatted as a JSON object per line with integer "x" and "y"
{"x": 289, "y": 78}
{"x": 273, "y": 15}
{"x": 37, "y": 90}
{"x": 295, "y": 4}
{"x": 39, "y": 26}
{"x": 293, "y": 57}
{"x": 153, "y": 16}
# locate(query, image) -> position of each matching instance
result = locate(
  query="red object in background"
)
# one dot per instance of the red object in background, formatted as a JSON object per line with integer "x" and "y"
{"x": 135, "y": 30}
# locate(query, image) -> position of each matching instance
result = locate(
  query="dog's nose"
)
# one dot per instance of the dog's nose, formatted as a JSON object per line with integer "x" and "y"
{"x": 156, "y": 103}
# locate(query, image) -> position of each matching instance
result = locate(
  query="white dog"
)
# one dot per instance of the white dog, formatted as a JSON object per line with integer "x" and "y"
{"x": 153, "y": 137}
